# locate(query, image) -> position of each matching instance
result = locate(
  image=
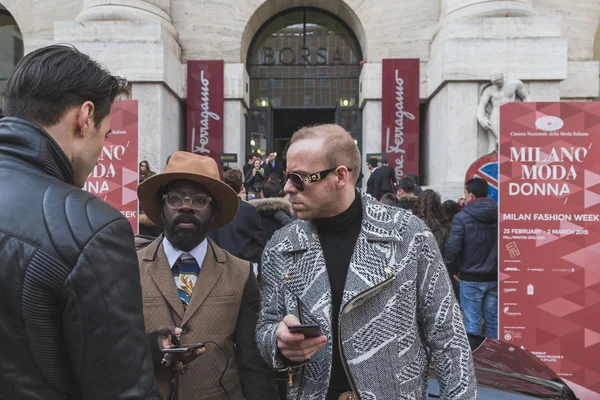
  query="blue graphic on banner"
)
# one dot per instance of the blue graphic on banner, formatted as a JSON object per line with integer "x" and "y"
{"x": 489, "y": 172}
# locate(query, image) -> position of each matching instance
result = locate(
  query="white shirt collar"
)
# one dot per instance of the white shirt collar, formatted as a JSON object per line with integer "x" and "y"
{"x": 198, "y": 252}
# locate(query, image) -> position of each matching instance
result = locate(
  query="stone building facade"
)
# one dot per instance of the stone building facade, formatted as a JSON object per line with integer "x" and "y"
{"x": 548, "y": 44}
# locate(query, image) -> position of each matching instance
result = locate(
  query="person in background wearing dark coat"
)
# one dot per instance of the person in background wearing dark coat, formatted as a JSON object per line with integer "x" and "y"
{"x": 415, "y": 179}
{"x": 388, "y": 178}
{"x": 71, "y": 321}
{"x": 375, "y": 182}
{"x": 250, "y": 158}
{"x": 429, "y": 208}
{"x": 274, "y": 211}
{"x": 273, "y": 166}
{"x": 472, "y": 250}
{"x": 244, "y": 237}
{"x": 254, "y": 180}
{"x": 406, "y": 193}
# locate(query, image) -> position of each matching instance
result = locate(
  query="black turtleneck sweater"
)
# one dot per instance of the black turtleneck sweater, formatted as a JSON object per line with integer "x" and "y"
{"x": 338, "y": 237}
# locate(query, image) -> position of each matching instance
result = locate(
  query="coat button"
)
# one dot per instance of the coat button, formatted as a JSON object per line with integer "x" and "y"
{"x": 286, "y": 277}
{"x": 185, "y": 329}
{"x": 388, "y": 270}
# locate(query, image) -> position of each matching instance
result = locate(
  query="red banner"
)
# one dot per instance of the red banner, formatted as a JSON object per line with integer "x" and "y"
{"x": 205, "y": 99}
{"x": 400, "y": 104}
{"x": 549, "y": 300}
{"x": 115, "y": 178}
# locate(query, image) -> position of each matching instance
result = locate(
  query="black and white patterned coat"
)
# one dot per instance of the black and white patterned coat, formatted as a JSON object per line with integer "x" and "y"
{"x": 397, "y": 302}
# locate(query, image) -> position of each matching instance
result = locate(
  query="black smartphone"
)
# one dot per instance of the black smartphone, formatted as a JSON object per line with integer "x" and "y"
{"x": 184, "y": 348}
{"x": 308, "y": 330}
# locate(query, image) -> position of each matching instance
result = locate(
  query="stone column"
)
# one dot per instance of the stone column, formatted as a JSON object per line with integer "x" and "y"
{"x": 136, "y": 40}
{"x": 370, "y": 104}
{"x": 128, "y": 10}
{"x": 235, "y": 110}
{"x": 486, "y": 8}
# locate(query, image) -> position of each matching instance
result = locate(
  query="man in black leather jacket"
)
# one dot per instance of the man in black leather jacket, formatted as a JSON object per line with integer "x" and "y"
{"x": 71, "y": 322}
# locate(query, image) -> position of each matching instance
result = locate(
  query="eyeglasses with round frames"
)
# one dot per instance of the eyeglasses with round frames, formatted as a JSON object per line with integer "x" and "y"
{"x": 198, "y": 201}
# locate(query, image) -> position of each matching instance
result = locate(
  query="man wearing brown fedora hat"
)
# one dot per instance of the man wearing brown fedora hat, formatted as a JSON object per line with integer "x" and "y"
{"x": 191, "y": 283}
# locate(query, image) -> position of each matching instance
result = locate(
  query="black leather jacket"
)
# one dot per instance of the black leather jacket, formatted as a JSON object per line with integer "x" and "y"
{"x": 71, "y": 323}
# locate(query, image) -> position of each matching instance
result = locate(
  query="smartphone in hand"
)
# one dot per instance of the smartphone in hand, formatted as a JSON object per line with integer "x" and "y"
{"x": 308, "y": 330}
{"x": 184, "y": 348}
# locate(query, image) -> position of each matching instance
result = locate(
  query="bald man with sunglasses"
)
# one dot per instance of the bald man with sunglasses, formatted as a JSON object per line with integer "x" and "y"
{"x": 367, "y": 277}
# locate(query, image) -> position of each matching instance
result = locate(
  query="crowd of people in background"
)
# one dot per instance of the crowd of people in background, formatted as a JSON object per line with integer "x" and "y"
{"x": 466, "y": 234}
{"x": 465, "y": 230}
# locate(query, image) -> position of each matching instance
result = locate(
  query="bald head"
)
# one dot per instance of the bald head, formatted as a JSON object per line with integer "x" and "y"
{"x": 338, "y": 146}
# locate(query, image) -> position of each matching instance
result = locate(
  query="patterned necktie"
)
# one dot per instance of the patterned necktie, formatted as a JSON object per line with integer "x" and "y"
{"x": 185, "y": 272}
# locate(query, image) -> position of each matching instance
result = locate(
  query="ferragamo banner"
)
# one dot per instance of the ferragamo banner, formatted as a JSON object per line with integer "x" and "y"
{"x": 549, "y": 301}
{"x": 115, "y": 178}
{"x": 205, "y": 107}
{"x": 400, "y": 114}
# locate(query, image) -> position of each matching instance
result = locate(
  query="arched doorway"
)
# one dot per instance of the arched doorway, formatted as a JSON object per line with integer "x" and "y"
{"x": 304, "y": 67}
{"x": 11, "y": 47}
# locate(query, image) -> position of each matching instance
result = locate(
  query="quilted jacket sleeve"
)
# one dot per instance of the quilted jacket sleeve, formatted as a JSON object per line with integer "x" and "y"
{"x": 272, "y": 306}
{"x": 103, "y": 321}
{"x": 442, "y": 323}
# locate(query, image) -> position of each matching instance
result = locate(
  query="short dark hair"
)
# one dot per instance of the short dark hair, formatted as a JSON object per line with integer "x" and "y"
{"x": 48, "y": 82}
{"x": 233, "y": 178}
{"x": 372, "y": 162}
{"x": 478, "y": 187}
{"x": 270, "y": 189}
{"x": 413, "y": 176}
{"x": 250, "y": 155}
{"x": 407, "y": 184}
{"x": 388, "y": 198}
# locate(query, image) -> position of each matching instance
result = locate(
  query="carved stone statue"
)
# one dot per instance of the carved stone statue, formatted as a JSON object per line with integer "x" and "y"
{"x": 501, "y": 90}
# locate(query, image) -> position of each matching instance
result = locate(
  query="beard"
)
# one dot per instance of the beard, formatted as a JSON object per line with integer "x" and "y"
{"x": 185, "y": 239}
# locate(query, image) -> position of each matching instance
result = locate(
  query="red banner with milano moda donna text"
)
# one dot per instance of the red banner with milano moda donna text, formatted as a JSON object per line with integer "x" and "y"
{"x": 205, "y": 99}
{"x": 549, "y": 300}
{"x": 400, "y": 114}
{"x": 115, "y": 178}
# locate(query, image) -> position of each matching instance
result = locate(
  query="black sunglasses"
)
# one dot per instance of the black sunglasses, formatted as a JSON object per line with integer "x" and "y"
{"x": 299, "y": 180}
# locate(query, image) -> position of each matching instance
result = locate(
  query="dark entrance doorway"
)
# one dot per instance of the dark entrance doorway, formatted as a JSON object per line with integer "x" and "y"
{"x": 288, "y": 121}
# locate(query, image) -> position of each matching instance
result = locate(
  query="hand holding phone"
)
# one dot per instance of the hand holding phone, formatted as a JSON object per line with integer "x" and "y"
{"x": 308, "y": 330}
{"x": 298, "y": 347}
{"x": 184, "y": 348}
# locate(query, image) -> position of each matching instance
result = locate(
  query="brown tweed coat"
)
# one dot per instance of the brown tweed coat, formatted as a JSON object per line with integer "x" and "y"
{"x": 223, "y": 308}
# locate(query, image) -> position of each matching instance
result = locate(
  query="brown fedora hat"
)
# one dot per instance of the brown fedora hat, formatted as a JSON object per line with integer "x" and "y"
{"x": 191, "y": 167}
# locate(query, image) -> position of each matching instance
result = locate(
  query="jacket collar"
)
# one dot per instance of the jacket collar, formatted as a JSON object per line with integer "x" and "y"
{"x": 30, "y": 143}
{"x": 210, "y": 272}
{"x": 374, "y": 226}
